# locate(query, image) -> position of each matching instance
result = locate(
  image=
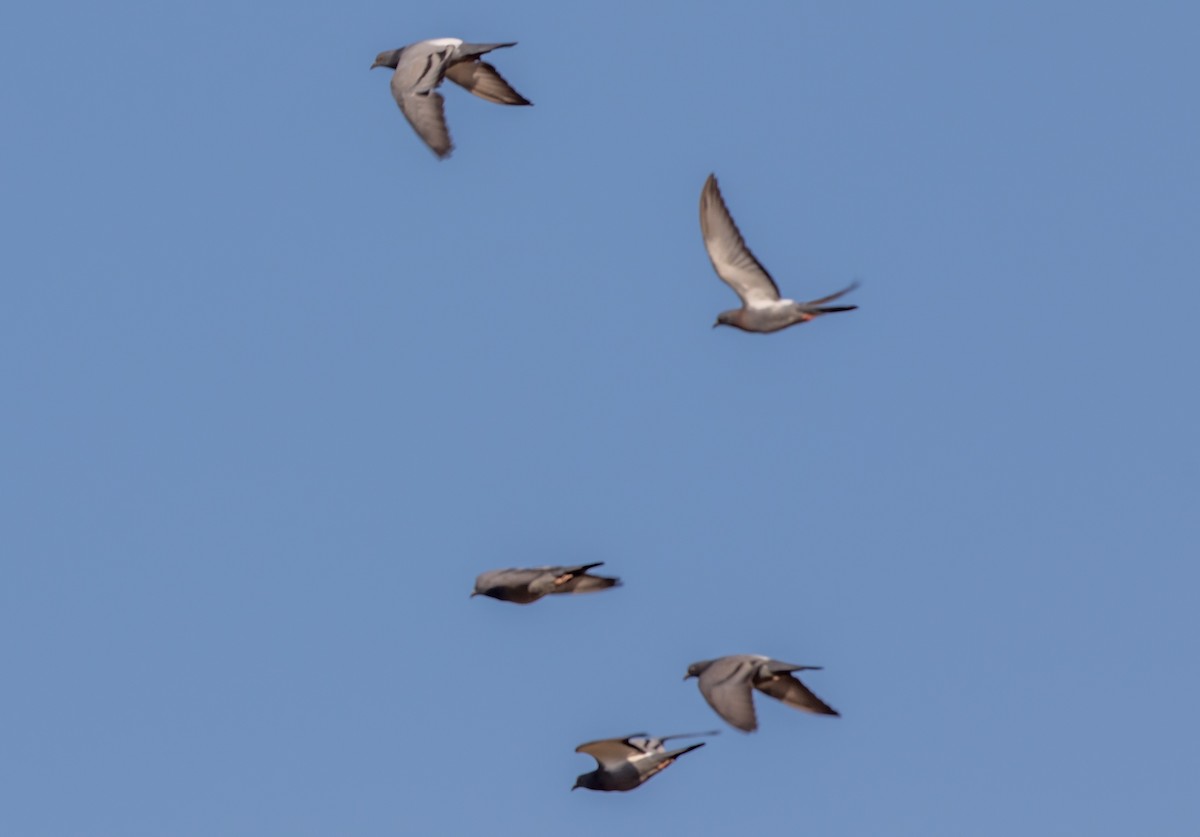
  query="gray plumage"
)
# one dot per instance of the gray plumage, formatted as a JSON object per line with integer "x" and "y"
{"x": 523, "y": 586}
{"x": 625, "y": 763}
{"x": 727, "y": 682}
{"x": 420, "y": 69}
{"x": 763, "y": 310}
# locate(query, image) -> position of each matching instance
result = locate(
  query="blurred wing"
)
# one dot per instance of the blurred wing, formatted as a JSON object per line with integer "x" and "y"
{"x": 656, "y": 745}
{"x": 584, "y": 583}
{"x": 425, "y": 112}
{"x": 612, "y": 752}
{"x": 730, "y": 256}
{"x": 481, "y": 78}
{"x": 791, "y": 691}
{"x": 726, "y": 686}
{"x": 506, "y": 578}
{"x": 646, "y": 745}
{"x": 573, "y": 569}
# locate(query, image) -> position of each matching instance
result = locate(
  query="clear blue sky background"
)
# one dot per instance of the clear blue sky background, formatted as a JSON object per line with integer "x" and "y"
{"x": 278, "y": 384}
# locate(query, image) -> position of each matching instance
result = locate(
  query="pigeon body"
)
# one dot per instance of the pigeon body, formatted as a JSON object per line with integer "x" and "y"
{"x": 727, "y": 683}
{"x": 623, "y": 764}
{"x": 763, "y": 310}
{"x": 523, "y": 586}
{"x": 420, "y": 69}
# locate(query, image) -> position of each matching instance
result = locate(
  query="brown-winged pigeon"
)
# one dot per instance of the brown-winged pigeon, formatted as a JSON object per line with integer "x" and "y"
{"x": 623, "y": 764}
{"x": 523, "y": 586}
{"x": 420, "y": 68}
{"x": 727, "y": 682}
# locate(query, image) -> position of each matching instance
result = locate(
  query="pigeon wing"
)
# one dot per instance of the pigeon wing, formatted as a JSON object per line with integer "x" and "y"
{"x": 511, "y": 577}
{"x": 730, "y": 256}
{"x": 788, "y": 688}
{"x": 653, "y": 764}
{"x": 420, "y": 67}
{"x": 726, "y": 686}
{"x": 610, "y": 753}
{"x": 481, "y": 78}
{"x": 426, "y": 113}
{"x": 576, "y": 580}
{"x": 656, "y": 745}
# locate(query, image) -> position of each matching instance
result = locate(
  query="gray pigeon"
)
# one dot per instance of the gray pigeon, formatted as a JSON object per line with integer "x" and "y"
{"x": 523, "y": 586}
{"x": 420, "y": 68}
{"x": 625, "y": 763}
{"x": 726, "y": 683}
{"x": 762, "y": 308}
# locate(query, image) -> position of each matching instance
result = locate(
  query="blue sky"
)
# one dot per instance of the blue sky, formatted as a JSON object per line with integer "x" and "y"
{"x": 278, "y": 384}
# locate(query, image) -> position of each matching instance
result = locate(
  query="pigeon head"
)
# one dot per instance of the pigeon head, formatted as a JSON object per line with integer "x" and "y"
{"x": 728, "y": 318}
{"x": 587, "y": 780}
{"x": 387, "y": 58}
{"x": 696, "y": 669}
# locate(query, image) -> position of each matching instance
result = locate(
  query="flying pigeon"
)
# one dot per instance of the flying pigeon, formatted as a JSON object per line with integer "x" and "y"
{"x": 726, "y": 684}
{"x": 420, "y": 68}
{"x": 762, "y": 308}
{"x": 523, "y": 586}
{"x": 625, "y": 763}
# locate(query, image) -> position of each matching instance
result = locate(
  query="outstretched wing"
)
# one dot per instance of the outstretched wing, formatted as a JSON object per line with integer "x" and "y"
{"x": 657, "y": 745}
{"x": 782, "y": 685}
{"x": 426, "y": 113}
{"x": 481, "y": 78}
{"x": 730, "y": 256}
{"x": 612, "y": 752}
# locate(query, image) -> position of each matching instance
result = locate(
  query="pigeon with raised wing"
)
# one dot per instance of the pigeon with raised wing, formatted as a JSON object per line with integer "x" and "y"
{"x": 625, "y": 763}
{"x": 523, "y": 586}
{"x": 727, "y": 682}
{"x": 763, "y": 310}
{"x": 420, "y": 68}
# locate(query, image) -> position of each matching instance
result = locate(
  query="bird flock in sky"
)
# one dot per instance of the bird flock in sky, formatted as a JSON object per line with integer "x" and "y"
{"x": 727, "y": 683}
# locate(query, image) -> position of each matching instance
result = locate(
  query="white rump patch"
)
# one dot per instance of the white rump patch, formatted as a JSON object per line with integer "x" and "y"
{"x": 773, "y": 305}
